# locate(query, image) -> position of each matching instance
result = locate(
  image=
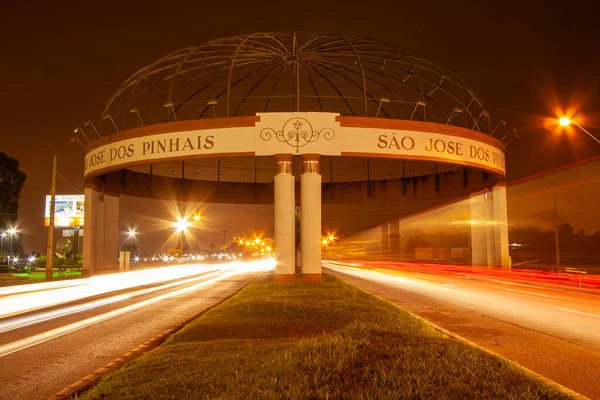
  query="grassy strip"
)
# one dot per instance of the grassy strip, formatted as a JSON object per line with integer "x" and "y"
{"x": 305, "y": 341}
{"x": 22, "y": 278}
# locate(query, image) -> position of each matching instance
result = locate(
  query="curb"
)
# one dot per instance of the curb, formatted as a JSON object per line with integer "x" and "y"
{"x": 459, "y": 338}
{"x": 89, "y": 380}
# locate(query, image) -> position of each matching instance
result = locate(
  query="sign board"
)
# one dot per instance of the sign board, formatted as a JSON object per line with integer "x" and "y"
{"x": 297, "y": 133}
{"x": 68, "y": 210}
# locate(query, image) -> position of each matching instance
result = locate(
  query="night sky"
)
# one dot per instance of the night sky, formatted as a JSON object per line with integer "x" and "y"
{"x": 61, "y": 61}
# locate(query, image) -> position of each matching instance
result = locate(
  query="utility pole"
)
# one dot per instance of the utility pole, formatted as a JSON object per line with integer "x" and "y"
{"x": 224, "y": 232}
{"x": 181, "y": 241}
{"x": 556, "y": 241}
{"x": 50, "y": 249}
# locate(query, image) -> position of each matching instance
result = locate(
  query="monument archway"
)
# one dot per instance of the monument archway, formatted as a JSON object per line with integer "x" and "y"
{"x": 229, "y": 121}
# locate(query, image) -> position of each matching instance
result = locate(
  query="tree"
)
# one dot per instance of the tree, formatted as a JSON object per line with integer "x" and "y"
{"x": 11, "y": 183}
{"x": 128, "y": 247}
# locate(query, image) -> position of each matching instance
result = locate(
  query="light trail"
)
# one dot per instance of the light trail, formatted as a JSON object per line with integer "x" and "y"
{"x": 226, "y": 271}
{"x": 588, "y": 283}
{"x": 146, "y": 276}
{"x": 26, "y": 320}
{"x": 568, "y": 314}
{"x": 18, "y": 300}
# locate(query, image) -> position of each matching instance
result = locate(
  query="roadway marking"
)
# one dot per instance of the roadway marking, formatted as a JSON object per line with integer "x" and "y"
{"x": 576, "y": 312}
{"x": 531, "y": 293}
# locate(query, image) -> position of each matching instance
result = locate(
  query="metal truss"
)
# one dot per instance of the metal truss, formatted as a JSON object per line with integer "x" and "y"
{"x": 270, "y": 72}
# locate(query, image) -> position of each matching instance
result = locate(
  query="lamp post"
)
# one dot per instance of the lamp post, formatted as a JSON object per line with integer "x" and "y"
{"x": 3, "y": 235}
{"x": 327, "y": 241}
{"x": 181, "y": 226}
{"x": 224, "y": 232}
{"x": 325, "y": 244}
{"x": 131, "y": 234}
{"x": 564, "y": 121}
{"x": 556, "y": 236}
{"x": 11, "y": 232}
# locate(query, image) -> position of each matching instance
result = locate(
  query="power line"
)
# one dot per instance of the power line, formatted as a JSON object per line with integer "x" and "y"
{"x": 66, "y": 180}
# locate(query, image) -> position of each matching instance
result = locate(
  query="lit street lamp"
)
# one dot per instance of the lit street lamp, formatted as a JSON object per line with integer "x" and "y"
{"x": 181, "y": 226}
{"x": 131, "y": 234}
{"x": 3, "y": 235}
{"x": 564, "y": 121}
{"x": 11, "y": 232}
{"x": 327, "y": 241}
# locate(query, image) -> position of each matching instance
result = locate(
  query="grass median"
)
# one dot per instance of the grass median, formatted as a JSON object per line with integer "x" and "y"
{"x": 307, "y": 341}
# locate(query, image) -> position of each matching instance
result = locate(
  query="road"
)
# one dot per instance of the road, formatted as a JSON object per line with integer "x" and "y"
{"x": 554, "y": 331}
{"x": 53, "y": 334}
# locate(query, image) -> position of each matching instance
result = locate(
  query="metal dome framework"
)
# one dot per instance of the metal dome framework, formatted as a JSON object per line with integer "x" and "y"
{"x": 274, "y": 72}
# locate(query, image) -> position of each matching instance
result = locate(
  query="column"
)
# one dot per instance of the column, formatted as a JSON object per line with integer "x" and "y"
{"x": 385, "y": 242}
{"x": 501, "y": 227}
{"x": 284, "y": 219}
{"x": 101, "y": 232}
{"x": 89, "y": 232}
{"x": 310, "y": 201}
{"x": 110, "y": 251}
{"x": 489, "y": 229}
{"x": 394, "y": 240}
{"x": 478, "y": 222}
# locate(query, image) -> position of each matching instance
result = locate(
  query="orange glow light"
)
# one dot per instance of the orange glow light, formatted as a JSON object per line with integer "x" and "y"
{"x": 564, "y": 121}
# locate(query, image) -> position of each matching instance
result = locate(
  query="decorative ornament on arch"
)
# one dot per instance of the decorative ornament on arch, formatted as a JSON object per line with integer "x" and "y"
{"x": 297, "y": 132}
{"x": 311, "y": 167}
{"x": 284, "y": 167}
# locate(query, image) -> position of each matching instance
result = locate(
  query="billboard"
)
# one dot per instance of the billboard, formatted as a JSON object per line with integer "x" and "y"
{"x": 68, "y": 210}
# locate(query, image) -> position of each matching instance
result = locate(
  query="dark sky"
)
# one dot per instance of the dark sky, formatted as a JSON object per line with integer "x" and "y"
{"x": 61, "y": 61}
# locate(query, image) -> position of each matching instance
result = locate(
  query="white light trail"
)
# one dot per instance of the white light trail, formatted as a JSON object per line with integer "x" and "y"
{"x": 32, "y": 297}
{"x": 26, "y": 320}
{"x": 226, "y": 271}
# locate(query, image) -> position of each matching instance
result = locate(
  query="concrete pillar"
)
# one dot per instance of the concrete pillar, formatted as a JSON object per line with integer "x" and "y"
{"x": 489, "y": 229}
{"x": 89, "y": 231}
{"x": 101, "y": 232}
{"x": 395, "y": 240}
{"x": 310, "y": 201}
{"x": 501, "y": 227}
{"x": 479, "y": 238}
{"x": 285, "y": 218}
{"x": 385, "y": 242}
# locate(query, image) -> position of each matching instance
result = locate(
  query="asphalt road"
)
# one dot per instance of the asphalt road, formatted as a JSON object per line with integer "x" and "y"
{"x": 552, "y": 331}
{"x": 44, "y": 349}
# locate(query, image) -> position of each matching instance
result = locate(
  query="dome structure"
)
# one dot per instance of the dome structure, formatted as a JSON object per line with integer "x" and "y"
{"x": 295, "y": 119}
{"x": 276, "y": 72}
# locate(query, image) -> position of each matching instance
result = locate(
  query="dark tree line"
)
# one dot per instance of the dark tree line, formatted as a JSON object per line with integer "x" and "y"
{"x": 11, "y": 184}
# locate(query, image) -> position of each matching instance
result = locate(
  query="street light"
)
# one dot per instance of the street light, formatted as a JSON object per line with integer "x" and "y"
{"x": 3, "y": 235}
{"x": 11, "y": 232}
{"x": 325, "y": 244}
{"x": 564, "y": 121}
{"x": 181, "y": 226}
{"x": 131, "y": 234}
